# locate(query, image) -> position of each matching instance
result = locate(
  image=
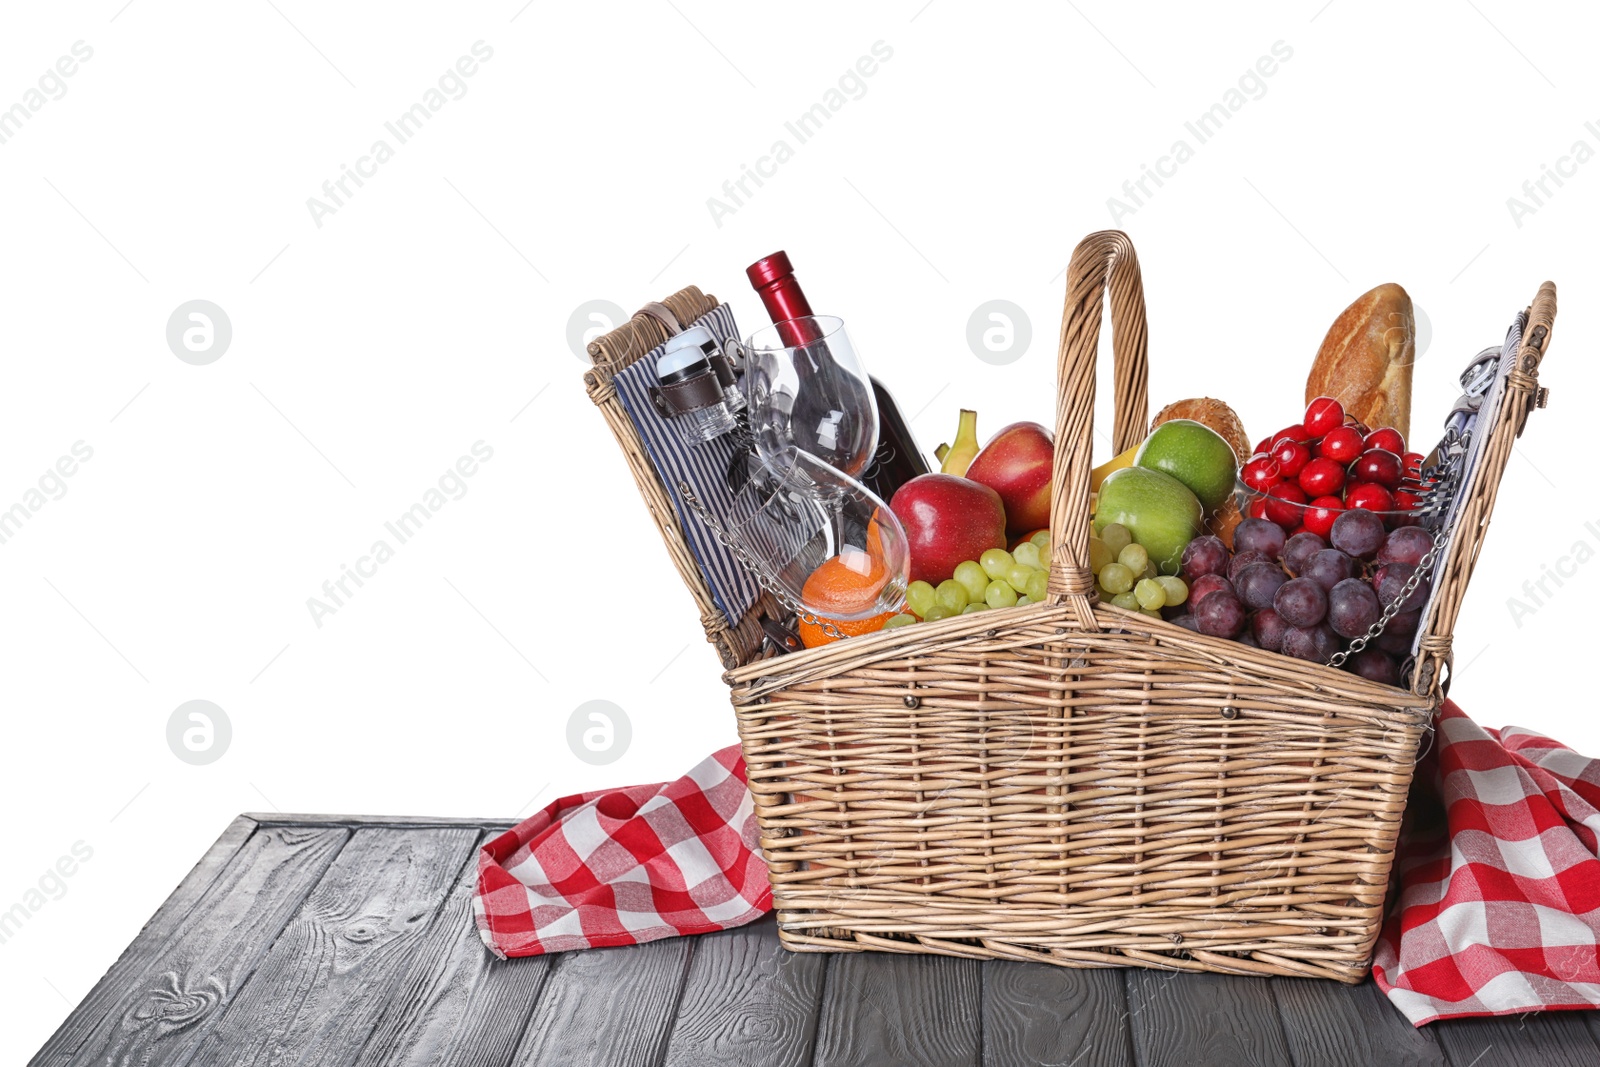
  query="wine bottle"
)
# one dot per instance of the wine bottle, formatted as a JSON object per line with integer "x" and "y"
{"x": 897, "y": 459}
{"x": 773, "y": 279}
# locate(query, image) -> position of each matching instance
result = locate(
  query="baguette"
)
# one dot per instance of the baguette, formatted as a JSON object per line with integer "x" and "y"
{"x": 1366, "y": 359}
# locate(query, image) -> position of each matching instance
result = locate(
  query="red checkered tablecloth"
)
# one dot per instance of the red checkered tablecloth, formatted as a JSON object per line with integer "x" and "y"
{"x": 624, "y": 866}
{"x": 1499, "y": 904}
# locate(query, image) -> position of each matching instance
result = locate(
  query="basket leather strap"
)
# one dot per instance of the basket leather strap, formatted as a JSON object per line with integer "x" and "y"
{"x": 692, "y": 394}
{"x": 1102, "y": 261}
{"x": 662, "y": 314}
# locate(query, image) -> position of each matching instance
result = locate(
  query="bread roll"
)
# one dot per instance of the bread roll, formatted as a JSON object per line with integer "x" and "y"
{"x": 1212, "y": 414}
{"x": 1365, "y": 361}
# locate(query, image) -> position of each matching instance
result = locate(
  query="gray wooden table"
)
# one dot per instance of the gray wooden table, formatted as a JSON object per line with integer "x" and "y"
{"x": 301, "y": 940}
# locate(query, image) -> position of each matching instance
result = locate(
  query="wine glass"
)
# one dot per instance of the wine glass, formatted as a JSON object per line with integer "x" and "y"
{"x": 807, "y": 389}
{"x": 797, "y": 513}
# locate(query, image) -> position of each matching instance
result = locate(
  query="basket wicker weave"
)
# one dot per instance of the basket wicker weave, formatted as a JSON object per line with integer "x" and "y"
{"x": 1075, "y": 784}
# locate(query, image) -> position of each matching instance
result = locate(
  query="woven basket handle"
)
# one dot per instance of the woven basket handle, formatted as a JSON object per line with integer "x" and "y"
{"x": 1102, "y": 259}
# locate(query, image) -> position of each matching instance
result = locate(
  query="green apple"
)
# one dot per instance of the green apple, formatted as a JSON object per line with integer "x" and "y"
{"x": 1160, "y": 511}
{"x": 1194, "y": 454}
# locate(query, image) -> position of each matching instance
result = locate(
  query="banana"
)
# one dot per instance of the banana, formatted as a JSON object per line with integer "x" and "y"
{"x": 1104, "y": 471}
{"x": 965, "y": 448}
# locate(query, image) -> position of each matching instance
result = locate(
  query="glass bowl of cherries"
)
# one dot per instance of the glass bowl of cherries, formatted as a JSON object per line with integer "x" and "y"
{"x": 1306, "y": 475}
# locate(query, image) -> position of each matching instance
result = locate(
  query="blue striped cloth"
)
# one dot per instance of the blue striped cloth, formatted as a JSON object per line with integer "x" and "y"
{"x": 703, "y": 466}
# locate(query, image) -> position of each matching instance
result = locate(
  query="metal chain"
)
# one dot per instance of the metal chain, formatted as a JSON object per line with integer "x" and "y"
{"x": 1422, "y": 573}
{"x": 764, "y": 577}
{"x": 1441, "y": 480}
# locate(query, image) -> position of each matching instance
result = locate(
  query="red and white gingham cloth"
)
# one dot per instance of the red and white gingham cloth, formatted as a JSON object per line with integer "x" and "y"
{"x": 1499, "y": 903}
{"x": 624, "y": 866}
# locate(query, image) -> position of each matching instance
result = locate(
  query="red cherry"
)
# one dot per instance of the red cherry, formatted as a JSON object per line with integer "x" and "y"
{"x": 1285, "y": 505}
{"x": 1258, "y": 508}
{"x": 1412, "y": 462}
{"x": 1292, "y": 456}
{"x": 1262, "y": 446}
{"x": 1322, "y": 477}
{"x": 1342, "y": 444}
{"x": 1406, "y": 500}
{"x": 1323, "y": 414}
{"x": 1369, "y": 496}
{"x": 1297, "y": 432}
{"x": 1321, "y": 513}
{"x": 1261, "y": 473}
{"x": 1376, "y": 465}
{"x": 1388, "y": 439}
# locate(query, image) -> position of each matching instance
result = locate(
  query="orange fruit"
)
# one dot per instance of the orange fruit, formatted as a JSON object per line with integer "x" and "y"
{"x": 844, "y": 584}
{"x": 1027, "y": 537}
{"x": 875, "y": 538}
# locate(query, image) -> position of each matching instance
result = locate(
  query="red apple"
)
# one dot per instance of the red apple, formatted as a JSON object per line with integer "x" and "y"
{"x": 948, "y": 520}
{"x": 1016, "y": 463}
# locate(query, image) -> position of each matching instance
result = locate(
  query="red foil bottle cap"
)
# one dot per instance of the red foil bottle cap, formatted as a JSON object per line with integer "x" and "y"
{"x": 769, "y": 269}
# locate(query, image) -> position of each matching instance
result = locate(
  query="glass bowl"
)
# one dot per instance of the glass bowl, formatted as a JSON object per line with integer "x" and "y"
{"x": 820, "y": 537}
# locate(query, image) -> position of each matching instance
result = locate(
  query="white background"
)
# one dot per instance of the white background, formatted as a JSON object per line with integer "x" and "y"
{"x": 430, "y": 312}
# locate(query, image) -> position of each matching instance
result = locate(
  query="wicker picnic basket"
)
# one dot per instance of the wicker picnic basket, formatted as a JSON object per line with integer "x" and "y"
{"x": 1068, "y": 782}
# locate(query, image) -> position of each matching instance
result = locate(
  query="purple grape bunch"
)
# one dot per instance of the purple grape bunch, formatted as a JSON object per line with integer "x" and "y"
{"x": 1308, "y": 596}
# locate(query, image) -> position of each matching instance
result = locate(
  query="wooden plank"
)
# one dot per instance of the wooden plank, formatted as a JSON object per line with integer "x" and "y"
{"x": 1034, "y": 1013}
{"x": 321, "y": 990}
{"x": 458, "y": 1004}
{"x": 1553, "y": 1039}
{"x": 155, "y": 933}
{"x": 189, "y": 979}
{"x": 608, "y": 1006}
{"x": 884, "y": 1009}
{"x": 1204, "y": 1020}
{"x": 399, "y": 822}
{"x": 1331, "y": 1025}
{"x": 747, "y": 1002}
